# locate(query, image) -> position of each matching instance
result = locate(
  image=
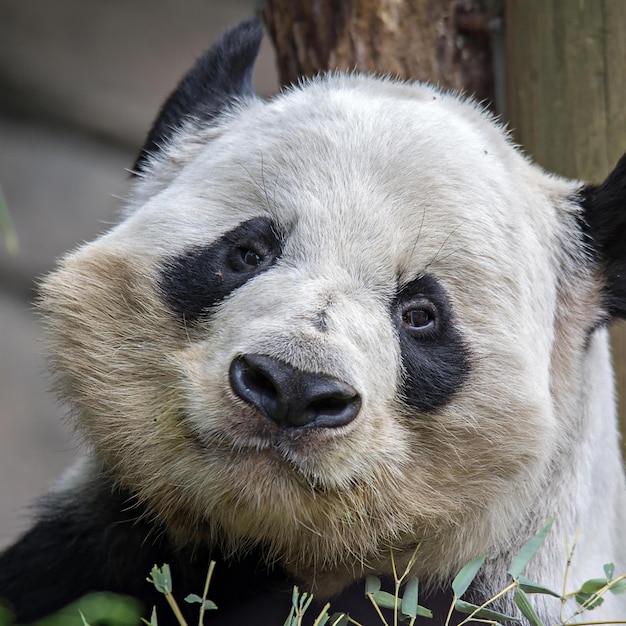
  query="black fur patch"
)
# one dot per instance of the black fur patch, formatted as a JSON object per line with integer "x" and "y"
{"x": 99, "y": 539}
{"x": 604, "y": 226}
{"x": 435, "y": 359}
{"x": 220, "y": 76}
{"x": 200, "y": 278}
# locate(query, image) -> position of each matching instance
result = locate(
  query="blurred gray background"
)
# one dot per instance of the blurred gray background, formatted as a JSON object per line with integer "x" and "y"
{"x": 80, "y": 83}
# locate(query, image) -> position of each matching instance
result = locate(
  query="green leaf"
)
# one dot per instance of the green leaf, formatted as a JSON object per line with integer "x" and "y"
{"x": 466, "y": 607}
{"x": 209, "y": 605}
{"x": 524, "y": 605}
{"x": 618, "y": 588}
{"x": 385, "y": 600}
{"x": 467, "y": 574}
{"x": 291, "y": 620}
{"x": 422, "y": 611}
{"x": 609, "y": 569}
{"x": 322, "y": 619}
{"x": 409, "y": 598}
{"x": 82, "y": 617}
{"x": 530, "y": 587}
{"x": 338, "y": 619}
{"x": 305, "y": 602}
{"x": 6, "y": 616}
{"x": 97, "y": 608}
{"x": 529, "y": 550}
{"x": 161, "y": 578}
{"x": 192, "y": 597}
{"x": 153, "y": 618}
{"x": 593, "y": 585}
{"x": 583, "y": 598}
{"x": 372, "y": 584}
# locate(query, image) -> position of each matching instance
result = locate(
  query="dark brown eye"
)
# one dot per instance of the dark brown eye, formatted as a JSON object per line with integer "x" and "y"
{"x": 419, "y": 318}
{"x": 250, "y": 257}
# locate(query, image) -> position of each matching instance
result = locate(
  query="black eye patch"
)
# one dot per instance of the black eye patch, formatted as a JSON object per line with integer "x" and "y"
{"x": 195, "y": 281}
{"x": 435, "y": 359}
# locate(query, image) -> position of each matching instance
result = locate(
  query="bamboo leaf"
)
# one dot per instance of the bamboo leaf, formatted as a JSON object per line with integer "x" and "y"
{"x": 529, "y": 550}
{"x": 467, "y": 574}
{"x": 82, "y": 617}
{"x": 422, "y": 611}
{"x": 618, "y": 588}
{"x": 153, "y": 618}
{"x": 372, "y": 584}
{"x": 609, "y": 570}
{"x": 524, "y": 605}
{"x": 322, "y": 619}
{"x": 593, "y": 585}
{"x": 161, "y": 578}
{"x": 338, "y": 619}
{"x": 409, "y": 598}
{"x": 466, "y": 607}
{"x": 291, "y": 618}
{"x": 5, "y": 615}
{"x": 584, "y": 599}
{"x": 530, "y": 587}
{"x": 192, "y": 597}
{"x": 385, "y": 600}
{"x": 304, "y": 599}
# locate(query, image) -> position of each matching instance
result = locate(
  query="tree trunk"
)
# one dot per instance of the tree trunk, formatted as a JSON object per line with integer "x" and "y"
{"x": 566, "y": 95}
{"x": 442, "y": 41}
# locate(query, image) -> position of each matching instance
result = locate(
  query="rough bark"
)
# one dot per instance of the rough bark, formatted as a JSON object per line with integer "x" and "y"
{"x": 442, "y": 41}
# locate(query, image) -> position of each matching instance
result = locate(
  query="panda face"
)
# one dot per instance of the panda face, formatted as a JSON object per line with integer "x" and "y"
{"x": 327, "y": 329}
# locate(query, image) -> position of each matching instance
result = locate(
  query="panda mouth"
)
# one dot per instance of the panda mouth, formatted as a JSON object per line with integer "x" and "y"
{"x": 291, "y": 446}
{"x": 300, "y": 449}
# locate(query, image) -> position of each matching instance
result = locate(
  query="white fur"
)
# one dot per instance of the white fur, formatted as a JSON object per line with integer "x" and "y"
{"x": 375, "y": 182}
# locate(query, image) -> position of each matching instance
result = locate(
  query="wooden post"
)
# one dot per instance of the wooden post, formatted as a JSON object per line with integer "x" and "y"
{"x": 566, "y": 97}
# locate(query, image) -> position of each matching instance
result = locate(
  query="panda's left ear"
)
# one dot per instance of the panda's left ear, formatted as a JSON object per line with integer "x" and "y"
{"x": 220, "y": 77}
{"x": 604, "y": 225}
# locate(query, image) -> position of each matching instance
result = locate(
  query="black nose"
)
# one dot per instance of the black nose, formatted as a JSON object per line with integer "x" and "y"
{"x": 292, "y": 397}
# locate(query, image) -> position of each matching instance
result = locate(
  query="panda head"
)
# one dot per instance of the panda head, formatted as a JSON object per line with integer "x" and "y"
{"x": 332, "y": 323}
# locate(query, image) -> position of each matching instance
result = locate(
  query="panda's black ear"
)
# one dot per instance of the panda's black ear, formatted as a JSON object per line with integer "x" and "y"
{"x": 604, "y": 224}
{"x": 222, "y": 75}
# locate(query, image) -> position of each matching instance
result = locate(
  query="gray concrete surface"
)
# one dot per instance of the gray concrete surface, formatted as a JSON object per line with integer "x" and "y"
{"x": 80, "y": 81}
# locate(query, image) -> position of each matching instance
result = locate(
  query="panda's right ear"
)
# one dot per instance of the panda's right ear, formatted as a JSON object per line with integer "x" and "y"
{"x": 220, "y": 77}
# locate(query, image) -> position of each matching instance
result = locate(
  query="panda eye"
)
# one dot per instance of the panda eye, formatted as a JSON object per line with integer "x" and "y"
{"x": 245, "y": 257}
{"x": 420, "y": 317}
{"x": 250, "y": 258}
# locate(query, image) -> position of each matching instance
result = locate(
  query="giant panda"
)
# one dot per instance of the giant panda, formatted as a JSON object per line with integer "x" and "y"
{"x": 342, "y": 323}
